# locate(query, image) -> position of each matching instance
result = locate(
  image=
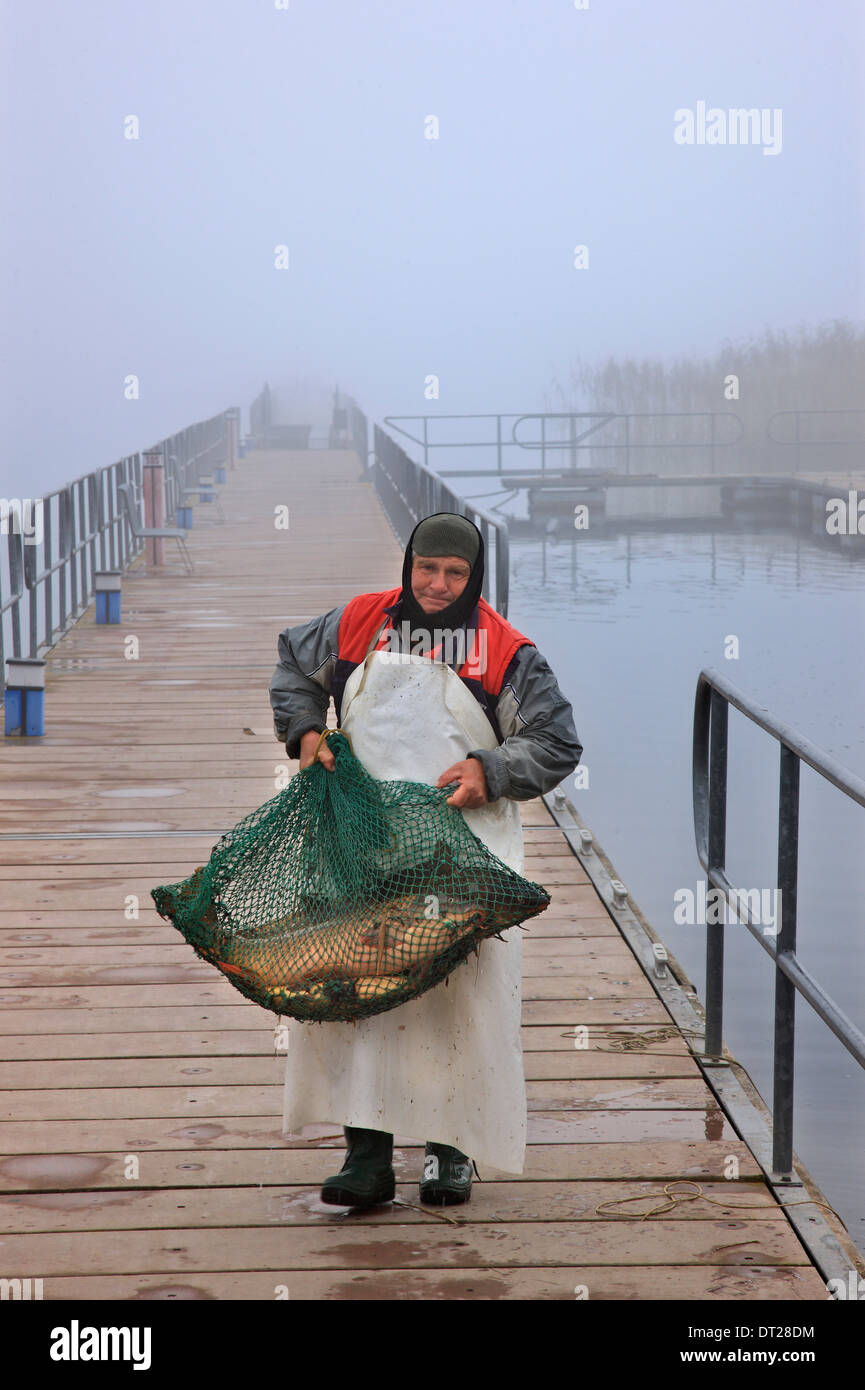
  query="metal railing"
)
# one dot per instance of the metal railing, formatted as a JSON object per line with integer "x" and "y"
{"x": 51, "y": 547}
{"x": 261, "y": 413}
{"x": 46, "y": 580}
{"x": 409, "y": 491}
{"x": 189, "y": 455}
{"x": 349, "y": 426}
{"x": 713, "y": 697}
{"x": 797, "y": 418}
{"x": 267, "y": 432}
{"x": 577, "y": 427}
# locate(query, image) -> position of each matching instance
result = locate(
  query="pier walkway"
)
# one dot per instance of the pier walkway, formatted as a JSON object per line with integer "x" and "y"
{"x": 141, "y": 1146}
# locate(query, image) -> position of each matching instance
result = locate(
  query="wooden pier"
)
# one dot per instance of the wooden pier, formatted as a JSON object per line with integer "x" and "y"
{"x": 141, "y": 1146}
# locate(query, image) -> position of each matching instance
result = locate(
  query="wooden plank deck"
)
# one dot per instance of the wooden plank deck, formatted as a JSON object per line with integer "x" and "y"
{"x": 119, "y": 1044}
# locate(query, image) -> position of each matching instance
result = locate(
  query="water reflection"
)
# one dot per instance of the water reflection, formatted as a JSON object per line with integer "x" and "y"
{"x": 627, "y": 621}
{"x": 571, "y": 562}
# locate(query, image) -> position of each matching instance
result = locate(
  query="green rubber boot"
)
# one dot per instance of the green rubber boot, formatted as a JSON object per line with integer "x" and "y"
{"x": 447, "y": 1175}
{"x": 366, "y": 1178}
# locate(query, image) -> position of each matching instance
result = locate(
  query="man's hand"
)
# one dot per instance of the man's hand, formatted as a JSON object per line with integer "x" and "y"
{"x": 472, "y": 789}
{"x": 307, "y": 749}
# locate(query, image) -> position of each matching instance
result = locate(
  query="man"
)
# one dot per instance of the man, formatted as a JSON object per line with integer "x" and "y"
{"x": 432, "y": 685}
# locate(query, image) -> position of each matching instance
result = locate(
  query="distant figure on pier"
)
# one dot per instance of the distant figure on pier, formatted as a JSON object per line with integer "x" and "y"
{"x": 432, "y": 685}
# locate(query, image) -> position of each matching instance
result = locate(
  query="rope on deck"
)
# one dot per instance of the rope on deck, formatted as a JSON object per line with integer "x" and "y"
{"x": 627, "y": 1040}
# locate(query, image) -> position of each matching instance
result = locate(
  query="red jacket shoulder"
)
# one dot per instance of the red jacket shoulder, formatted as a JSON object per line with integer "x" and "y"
{"x": 502, "y": 642}
{"x": 361, "y": 616}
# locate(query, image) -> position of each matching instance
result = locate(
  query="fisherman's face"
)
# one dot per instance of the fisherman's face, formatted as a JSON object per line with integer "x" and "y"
{"x": 437, "y": 581}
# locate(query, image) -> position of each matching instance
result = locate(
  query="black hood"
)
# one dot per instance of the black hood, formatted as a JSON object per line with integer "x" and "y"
{"x": 449, "y": 619}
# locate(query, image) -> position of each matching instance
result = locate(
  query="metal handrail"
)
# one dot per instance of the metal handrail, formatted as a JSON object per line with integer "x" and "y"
{"x": 797, "y": 415}
{"x": 410, "y": 491}
{"x": 348, "y": 423}
{"x": 261, "y": 412}
{"x": 46, "y": 586}
{"x": 713, "y": 697}
{"x": 604, "y": 417}
{"x": 83, "y": 527}
{"x": 189, "y": 455}
{"x": 798, "y": 443}
{"x": 574, "y": 441}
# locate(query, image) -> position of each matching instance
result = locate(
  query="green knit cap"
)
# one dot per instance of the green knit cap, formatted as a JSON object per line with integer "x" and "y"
{"x": 446, "y": 533}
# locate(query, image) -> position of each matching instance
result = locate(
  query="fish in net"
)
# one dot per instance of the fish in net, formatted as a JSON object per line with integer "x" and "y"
{"x": 345, "y": 896}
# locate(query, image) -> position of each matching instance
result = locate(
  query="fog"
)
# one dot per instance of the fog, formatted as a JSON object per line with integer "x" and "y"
{"x": 258, "y": 126}
{"x": 487, "y": 207}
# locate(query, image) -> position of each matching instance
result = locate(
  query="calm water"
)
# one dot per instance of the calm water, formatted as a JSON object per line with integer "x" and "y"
{"x": 627, "y": 623}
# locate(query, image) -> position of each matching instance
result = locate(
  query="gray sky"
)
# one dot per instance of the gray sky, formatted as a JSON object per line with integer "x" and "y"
{"x": 305, "y": 126}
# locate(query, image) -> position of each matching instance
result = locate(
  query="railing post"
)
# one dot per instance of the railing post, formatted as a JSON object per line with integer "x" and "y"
{"x": 15, "y": 542}
{"x": 93, "y": 525}
{"x": 121, "y": 532}
{"x": 76, "y": 518}
{"x": 153, "y": 486}
{"x": 503, "y": 569}
{"x": 785, "y": 990}
{"x": 717, "y": 854}
{"x": 485, "y": 533}
{"x": 36, "y": 567}
{"x": 47, "y": 560}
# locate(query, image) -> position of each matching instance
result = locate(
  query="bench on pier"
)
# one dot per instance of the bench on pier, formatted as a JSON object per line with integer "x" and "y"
{"x": 153, "y": 533}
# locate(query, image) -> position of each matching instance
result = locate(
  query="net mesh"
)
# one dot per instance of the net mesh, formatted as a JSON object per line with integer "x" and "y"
{"x": 345, "y": 896}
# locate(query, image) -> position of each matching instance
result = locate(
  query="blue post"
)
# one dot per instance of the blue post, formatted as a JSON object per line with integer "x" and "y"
{"x": 24, "y": 697}
{"x": 241, "y": 449}
{"x": 34, "y": 713}
{"x": 184, "y": 518}
{"x": 13, "y": 704}
{"x": 220, "y": 473}
{"x": 107, "y": 585}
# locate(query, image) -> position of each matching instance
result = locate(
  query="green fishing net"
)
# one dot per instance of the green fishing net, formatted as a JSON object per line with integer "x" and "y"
{"x": 345, "y": 896}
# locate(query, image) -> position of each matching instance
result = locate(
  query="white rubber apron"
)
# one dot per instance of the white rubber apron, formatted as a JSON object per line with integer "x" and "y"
{"x": 447, "y": 1066}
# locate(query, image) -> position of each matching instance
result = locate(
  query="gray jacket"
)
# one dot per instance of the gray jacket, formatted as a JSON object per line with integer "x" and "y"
{"x": 540, "y": 746}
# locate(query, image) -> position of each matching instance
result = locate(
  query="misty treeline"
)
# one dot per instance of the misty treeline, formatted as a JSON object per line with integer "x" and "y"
{"x": 820, "y": 369}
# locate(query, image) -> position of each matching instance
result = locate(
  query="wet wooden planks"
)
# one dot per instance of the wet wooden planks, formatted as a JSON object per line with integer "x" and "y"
{"x": 119, "y": 1044}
